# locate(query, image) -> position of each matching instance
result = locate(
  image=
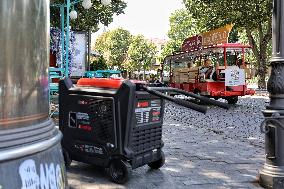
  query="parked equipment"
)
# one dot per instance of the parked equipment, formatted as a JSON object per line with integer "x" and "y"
{"x": 114, "y": 123}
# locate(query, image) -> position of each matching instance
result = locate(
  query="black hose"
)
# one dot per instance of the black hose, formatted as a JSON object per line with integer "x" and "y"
{"x": 202, "y": 98}
{"x": 181, "y": 102}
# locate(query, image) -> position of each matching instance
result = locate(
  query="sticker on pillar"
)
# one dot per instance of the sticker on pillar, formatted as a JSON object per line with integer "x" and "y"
{"x": 28, "y": 174}
{"x": 50, "y": 175}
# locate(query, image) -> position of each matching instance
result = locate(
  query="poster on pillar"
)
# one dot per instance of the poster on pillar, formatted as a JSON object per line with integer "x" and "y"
{"x": 78, "y": 66}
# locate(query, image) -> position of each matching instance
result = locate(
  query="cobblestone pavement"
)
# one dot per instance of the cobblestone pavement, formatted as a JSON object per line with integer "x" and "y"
{"x": 222, "y": 149}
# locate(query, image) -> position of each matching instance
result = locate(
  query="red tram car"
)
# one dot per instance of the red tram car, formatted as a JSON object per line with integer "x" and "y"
{"x": 224, "y": 77}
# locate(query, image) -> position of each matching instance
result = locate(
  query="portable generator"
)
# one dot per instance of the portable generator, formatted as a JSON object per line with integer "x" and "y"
{"x": 113, "y": 123}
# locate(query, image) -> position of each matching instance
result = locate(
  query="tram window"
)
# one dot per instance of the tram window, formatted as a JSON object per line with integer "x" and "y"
{"x": 232, "y": 57}
{"x": 220, "y": 59}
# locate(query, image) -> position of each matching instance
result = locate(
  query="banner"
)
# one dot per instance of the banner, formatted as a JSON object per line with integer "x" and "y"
{"x": 217, "y": 36}
{"x": 192, "y": 43}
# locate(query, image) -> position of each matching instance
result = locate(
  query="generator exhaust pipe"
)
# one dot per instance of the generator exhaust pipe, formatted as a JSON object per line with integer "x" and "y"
{"x": 184, "y": 103}
{"x": 202, "y": 98}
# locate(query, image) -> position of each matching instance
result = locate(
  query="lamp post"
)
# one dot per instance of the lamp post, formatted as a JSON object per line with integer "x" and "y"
{"x": 272, "y": 174}
{"x": 65, "y": 23}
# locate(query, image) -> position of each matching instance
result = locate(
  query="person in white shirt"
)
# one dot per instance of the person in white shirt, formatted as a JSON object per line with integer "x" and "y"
{"x": 206, "y": 70}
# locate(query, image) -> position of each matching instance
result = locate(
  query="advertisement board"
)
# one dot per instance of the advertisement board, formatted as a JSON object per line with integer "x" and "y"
{"x": 78, "y": 66}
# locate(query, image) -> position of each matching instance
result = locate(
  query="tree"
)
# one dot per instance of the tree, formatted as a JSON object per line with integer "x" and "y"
{"x": 113, "y": 45}
{"x": 182, "y": 26}
{"x": 89, "y": 19}
{"x": 101, "y": 42}
{"x": 248, "y": 16}
{"x": 99, "y": 64}
{"x": 141, "y": 54}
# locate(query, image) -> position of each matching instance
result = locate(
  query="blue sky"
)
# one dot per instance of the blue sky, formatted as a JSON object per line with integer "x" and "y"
{"x": 147, "y": 17}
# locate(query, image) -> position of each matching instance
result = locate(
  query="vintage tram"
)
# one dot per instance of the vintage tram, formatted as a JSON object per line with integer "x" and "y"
{"x": 216, "y": 71}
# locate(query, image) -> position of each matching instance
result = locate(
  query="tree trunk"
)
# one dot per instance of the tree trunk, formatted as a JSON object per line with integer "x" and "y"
{"x": 262, "y": 73}
{"x": 144, "y": 74}
{"x": 260, "y": 53}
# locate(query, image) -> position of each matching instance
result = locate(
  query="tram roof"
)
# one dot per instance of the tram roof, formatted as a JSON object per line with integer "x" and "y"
{"x": 184, "y": 54}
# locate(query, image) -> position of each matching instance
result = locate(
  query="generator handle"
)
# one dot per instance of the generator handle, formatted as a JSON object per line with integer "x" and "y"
{"x": 202, "y": 98}
{"x": 181, "y": 102}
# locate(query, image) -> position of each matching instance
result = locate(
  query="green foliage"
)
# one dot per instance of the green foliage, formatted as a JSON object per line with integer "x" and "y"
{"x": 250, "y": 57}
{"x": 113, "y": 45}
{"x": 170, "y": 47}
{"x": 99, "y": 64}
{"x": 101, "y": 44}
{"x": 243, "y": 13}
{"x": 182, "y": 25}
{"x": 89, "y": 19}
{"x": 141, "y": 54}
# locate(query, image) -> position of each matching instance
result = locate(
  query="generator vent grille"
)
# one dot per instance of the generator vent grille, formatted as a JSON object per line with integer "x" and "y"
{"x": 102, "y": 120}
{"x": 146, "y": 138}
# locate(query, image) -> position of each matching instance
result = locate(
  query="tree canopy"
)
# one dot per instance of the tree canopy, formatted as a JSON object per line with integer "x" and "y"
{"x": 141, "y": 54}
{"x": 89, "y": 19}
{"x": 182, "y": 25}
{"x": 99, "y": 64}
{"x": 113, "y": 45}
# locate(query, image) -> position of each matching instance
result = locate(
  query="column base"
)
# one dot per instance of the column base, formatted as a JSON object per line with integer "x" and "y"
{"x": 31, "y": 157}
{"x": 272, "y": 177}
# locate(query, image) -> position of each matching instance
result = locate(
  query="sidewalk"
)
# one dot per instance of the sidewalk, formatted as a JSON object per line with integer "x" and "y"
{"x": 196, "y": 157}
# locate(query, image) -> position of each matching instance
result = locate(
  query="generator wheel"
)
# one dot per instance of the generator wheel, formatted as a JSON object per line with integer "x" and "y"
{"x": 232, "y": 100}
{"x": 67, "y": 158}
{"x": 159, "y": 163}
{"x": 119, "y": 171}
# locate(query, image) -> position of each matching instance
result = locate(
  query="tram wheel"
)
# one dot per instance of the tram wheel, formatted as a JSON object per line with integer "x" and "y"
{"x": 232, "y": 100}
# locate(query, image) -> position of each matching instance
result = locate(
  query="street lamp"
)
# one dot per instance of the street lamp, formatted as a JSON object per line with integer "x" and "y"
{"x": 272, "y": 174}
{"x": 87, "y": 4}
{"x": 106, "y": 2}
{"x": 73, "y": 14}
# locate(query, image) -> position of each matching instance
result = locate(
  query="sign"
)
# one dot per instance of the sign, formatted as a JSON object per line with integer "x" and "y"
{"x": 217, "y": 36}
{"x": 78, "y": 67}
{"x": 79, "y": 120}
{"x": 192, "y": 43}
{"x": 234, "y": 76}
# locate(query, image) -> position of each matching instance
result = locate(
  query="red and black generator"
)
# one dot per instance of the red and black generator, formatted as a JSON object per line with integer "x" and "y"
{"x": 113, "y": 123}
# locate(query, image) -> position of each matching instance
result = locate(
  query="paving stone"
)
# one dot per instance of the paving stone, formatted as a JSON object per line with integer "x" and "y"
{"x": 222, "y": 149}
